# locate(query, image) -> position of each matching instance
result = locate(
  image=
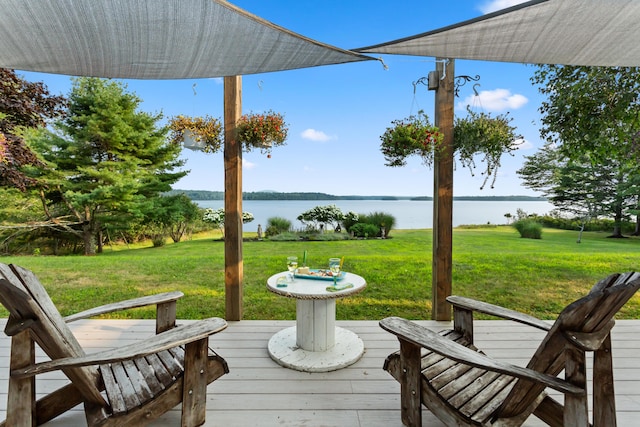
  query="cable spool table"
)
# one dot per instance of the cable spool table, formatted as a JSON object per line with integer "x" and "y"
{"x": 315, "y": 344}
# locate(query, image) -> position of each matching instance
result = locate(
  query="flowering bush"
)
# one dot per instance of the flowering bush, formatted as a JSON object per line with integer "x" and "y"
{"x": 321, "y": 215}
{"x": 206, "y": 132}
{"x": 414, "y": 135}
{"x": 216, "y": 217}
{"x": 262, "y": 130}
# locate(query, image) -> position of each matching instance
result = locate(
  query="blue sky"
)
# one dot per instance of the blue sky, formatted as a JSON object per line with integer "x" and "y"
{"x": 337, "y": 113}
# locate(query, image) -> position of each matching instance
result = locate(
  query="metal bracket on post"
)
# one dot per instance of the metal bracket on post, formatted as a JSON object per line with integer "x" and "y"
{"x": 432, "y": 81}
{"x": 460, "y": 81}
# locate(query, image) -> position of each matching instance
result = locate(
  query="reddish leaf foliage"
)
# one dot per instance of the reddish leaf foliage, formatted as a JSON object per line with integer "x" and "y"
{"x": 24, "y": 104}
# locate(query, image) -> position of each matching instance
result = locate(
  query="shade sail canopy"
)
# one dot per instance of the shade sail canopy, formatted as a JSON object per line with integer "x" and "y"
{"x": 151, "y": 39}
{"x": 569, "y": 32}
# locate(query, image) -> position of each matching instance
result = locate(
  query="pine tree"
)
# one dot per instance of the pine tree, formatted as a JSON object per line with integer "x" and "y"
{"x": 106, "y": 160}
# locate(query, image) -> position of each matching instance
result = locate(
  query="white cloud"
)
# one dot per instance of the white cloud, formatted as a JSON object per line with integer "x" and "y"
{"x": 494, "y": 100}
{"x": 493, "y": 5}
{"x": 522, "y": 144}
{"x": 247, "y": 164}
{"x": 315, "y": 135}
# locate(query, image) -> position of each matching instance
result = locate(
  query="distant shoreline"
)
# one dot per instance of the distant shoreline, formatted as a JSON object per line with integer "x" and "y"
{"x": 274, "y": 195}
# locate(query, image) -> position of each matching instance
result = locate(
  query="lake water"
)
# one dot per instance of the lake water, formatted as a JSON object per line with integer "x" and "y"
{"x": 409, "y": 214}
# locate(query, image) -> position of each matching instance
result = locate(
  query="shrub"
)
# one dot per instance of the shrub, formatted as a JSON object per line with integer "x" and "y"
{"x": 365, "y": 230}
{"x": 528, "y": 228}
{"x": 380, "y": 220}
{"x": 285, "y": 237}
{"x": 350, "y": 219}
{"x": 327, "y": 237}
{"x": 277, "y": 225}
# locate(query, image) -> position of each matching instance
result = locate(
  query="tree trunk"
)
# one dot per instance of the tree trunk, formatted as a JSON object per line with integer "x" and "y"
{"x": 99, "y": 238}
{"x": 617, "y": 227}
{"x": 88, "y": 238}
{"x": 637, "y": 230}
{"x": 617, "y": 232}
{"x": 88, "y": 233}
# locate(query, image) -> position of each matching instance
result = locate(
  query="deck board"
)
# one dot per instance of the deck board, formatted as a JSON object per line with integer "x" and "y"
{"x": 259, "y": 392}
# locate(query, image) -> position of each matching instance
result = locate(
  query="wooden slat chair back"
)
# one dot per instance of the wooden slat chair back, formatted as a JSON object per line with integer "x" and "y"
{"x": 31, "y": 307}
{"x": 462, "y": 386}
{"x": 130, "y": 385}
{"x": 589, "y": 317}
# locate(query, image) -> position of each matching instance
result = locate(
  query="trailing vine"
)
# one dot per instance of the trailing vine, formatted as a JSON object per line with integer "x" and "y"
{"x": 477, "y": 134}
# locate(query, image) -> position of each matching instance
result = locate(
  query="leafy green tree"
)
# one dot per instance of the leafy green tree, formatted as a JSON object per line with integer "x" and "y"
{"x": 106, "y": 160}
{"x": 173, "y": 216}
{"x": 594, "y": 113}
{"x": 578, "y": 186}
{"x": 17, "y": 209}
{"x": 591, "y": 110}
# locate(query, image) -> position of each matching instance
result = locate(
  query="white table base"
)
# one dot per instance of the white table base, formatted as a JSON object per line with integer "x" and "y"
{"x": 316, "y": 324}
{"x": 315, "y": 344}
{"x": 283, "y": 349}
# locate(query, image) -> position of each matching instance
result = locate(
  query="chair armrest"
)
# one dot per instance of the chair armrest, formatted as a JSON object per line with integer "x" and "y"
{"x": 172, "y": 338}
{"x": 496, "y": 310}
{"x": 423, "y": 337}
{"x": 125, "y": 305}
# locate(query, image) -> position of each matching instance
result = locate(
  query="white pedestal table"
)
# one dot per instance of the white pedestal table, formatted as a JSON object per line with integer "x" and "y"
{"x": 315, "y": 344}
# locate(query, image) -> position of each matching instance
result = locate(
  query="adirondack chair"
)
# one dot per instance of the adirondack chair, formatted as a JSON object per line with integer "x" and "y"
{"x": 127, "y": 386}
{"x": 461, "y": 385}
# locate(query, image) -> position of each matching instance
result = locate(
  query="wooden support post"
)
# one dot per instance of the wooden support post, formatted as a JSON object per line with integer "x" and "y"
{"x": 443, "y": 194}
{"x": 233, "y": 268}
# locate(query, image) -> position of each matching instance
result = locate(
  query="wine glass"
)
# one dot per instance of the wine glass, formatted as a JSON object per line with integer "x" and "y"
{"x": 292, "y": 264}
{"x": 334, "y": 267}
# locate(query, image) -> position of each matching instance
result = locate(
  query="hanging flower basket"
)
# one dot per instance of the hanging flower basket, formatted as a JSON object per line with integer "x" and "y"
{"x": 477, "y": 134}
{"x": 263, "y": 131}
{"x": 196, "y": 133}
{"x": 414, "y": 135}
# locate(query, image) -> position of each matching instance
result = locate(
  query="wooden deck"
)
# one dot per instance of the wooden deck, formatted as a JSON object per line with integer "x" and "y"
{"x": 258, "y": 392}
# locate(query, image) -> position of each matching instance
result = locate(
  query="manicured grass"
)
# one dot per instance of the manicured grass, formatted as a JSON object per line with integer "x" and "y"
{"x": 494, "y": 264}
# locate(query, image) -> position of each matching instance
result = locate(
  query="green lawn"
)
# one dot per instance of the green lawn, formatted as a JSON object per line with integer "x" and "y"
{"x": 538, "y": 277}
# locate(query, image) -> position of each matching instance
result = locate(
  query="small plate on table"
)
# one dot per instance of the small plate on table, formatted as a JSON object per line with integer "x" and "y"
{"x": 319, "y": 274}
